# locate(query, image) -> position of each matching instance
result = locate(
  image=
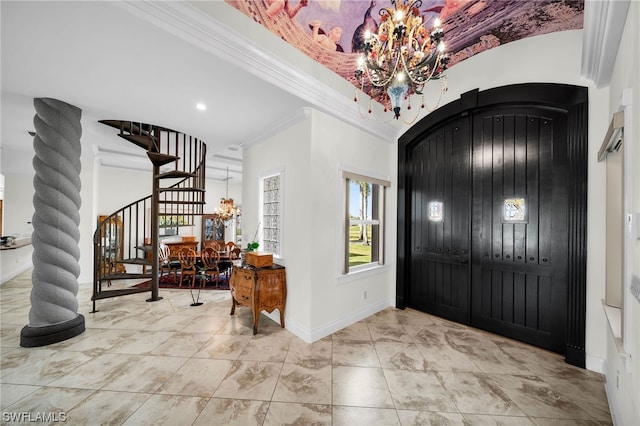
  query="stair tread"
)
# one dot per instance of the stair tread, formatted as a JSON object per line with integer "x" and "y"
{"x": 159, "y": 159}
{"x": 136, "y": 261}
{"x": 181, "y": 189}
{"x": 105, "y": 294}
{"x": 181, "y": 202}
{"x": 124, "y": 276}
{"x": 175, "y": 174}
{"x": 125, "y": 125}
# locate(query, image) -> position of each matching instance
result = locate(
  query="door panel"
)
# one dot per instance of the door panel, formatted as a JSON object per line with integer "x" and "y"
{"x": 519, "y": 254}
{"x": 440, "y": 232}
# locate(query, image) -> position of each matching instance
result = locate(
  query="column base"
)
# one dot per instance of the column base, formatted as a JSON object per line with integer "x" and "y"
{"x": 31, "y": 337}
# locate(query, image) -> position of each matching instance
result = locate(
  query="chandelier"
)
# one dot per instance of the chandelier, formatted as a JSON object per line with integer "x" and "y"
{"x": 227, "y": 209}
{"x": 402, "y": 57}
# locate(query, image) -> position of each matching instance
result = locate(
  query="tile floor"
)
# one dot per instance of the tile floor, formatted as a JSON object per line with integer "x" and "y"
{"x": 167, "y": 363}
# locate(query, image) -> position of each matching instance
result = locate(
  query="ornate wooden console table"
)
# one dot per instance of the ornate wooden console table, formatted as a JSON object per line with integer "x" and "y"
{"x": 260, "y": 289}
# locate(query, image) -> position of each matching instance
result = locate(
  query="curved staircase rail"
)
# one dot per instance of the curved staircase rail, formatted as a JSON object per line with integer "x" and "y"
{"x": 126, "y": 241}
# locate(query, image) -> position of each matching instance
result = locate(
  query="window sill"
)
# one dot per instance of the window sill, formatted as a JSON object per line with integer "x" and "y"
{"x": 362, "y": 273}
{"x": 614, "y": 319}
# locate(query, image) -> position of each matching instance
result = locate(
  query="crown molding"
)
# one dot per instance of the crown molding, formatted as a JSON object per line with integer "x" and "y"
{"x": 217, "y": 38}
{"x": 604, "y": 22}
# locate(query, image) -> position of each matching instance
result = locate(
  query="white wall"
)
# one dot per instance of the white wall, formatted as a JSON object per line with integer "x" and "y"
{"x": 287, "y": 152}
{"x": 17, "y": 211}
{"x": 311, "y": 153}
{"x": 623, "y": 381}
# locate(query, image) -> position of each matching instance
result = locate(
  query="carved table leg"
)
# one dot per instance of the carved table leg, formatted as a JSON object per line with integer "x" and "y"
{"x": 256, "y": 318}
{"x": 281, "y": 317}
{"x": 233, "y": 305}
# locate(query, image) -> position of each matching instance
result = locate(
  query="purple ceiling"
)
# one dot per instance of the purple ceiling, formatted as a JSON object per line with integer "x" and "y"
{"x": 470, "y": 26}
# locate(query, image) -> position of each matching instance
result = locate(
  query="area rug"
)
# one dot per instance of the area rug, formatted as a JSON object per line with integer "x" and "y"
{"x": 166, "y": 281}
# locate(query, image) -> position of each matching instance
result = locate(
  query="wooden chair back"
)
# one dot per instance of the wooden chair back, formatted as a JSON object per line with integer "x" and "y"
{"x": 187, "y": 258}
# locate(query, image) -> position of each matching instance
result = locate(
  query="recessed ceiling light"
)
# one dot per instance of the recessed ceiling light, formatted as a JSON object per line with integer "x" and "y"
{"x": 201, "y": 106}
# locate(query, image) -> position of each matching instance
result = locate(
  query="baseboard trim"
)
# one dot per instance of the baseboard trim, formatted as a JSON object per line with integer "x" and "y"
{"x": 313, "y": 335}
{"x": 614, "y": 409}
{"x": 595, "y": 364}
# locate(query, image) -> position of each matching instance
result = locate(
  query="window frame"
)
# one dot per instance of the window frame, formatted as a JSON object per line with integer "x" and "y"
{"x": 261, "y": 238}
{"x": 380, "y": 210}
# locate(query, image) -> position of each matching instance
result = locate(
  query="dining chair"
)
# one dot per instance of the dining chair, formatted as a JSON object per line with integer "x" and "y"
{"x": 188, "y": 267}
{"x": 211, "y": 263}
{"x": 165, "y": 262}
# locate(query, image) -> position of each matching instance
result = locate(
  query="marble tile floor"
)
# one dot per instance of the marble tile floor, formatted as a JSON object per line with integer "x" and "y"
{"x": 167, "y": 363}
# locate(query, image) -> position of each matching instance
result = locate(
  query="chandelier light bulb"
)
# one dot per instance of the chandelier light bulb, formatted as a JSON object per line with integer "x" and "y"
{"x": 401, "y": 56}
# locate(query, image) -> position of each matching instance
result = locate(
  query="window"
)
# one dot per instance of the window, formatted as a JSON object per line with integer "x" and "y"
{"x": 271, "y": 214}
{"x": 364, "y": 224}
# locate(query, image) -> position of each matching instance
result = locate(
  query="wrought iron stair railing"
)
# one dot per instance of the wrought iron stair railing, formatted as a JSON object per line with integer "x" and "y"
{"x": 126, "y": 242}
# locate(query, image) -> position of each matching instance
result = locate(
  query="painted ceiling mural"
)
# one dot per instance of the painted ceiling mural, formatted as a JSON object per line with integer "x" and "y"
{"x": 331, "y": 31}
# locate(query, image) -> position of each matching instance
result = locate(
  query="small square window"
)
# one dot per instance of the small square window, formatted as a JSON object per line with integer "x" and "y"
{"x": 514, "y": 210}
{"x": 436, "y": 211}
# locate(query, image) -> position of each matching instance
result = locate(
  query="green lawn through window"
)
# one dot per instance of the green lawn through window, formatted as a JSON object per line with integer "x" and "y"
{"x": 359, "y": 254}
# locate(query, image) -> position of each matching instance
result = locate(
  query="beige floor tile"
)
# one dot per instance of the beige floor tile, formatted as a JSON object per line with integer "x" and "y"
{"x": 404, "y": 356}
{"x": 360, "y": 386}
{"x": 589, "y": 395}
{"x": 569, "y": 422}
{"x": 142, "y": 342}
{"x": 488, "y": 420}
{"x": 98, "y": 371}
{"x": 205, "y": 324}
{"x": 266, "y": 347}
{"x": 360, "y": 416}
{"x": 314, "y": 354}
{"x": 223, "y": 346}
{"x": 197, "y": 377}
{"x": 282, "y": 413}
{"x": 182, "y": 344}
{"x": 166, "y": 362}
{"x": 355, "y": 353}
{"x": 146, "y": 374}
{"x": 493, "y": 360}
{"x": 409, "y": 417}
{"x": 9, "y": 394}
{"x": 418, "y": 390}
{"x": 385, "y": 316}
{"x": 537, "y": 399}
{"x": 47, "y": 400}
{"x": 382, "y": 332}
{"x": 250, "y": 380}
{"x": 355, "y": 332}
{"x": 429, "y": 335}
{"x": 446, "y": 358}
{"x": 169, "y": 410}
{"x": 10, "y": 335}
{"x": 298, "y": 383}
{"x": 476, "y": 393}
{"x": 233, "y": 412}
{"x": 54, "y": 366}
{"x": 106, "y": 408}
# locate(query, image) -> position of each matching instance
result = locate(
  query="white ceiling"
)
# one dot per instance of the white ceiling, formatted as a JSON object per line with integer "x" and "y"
{"x": 111, "y": 64}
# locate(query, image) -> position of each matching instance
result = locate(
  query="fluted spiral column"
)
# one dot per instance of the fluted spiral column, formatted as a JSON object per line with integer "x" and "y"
{"x": 54, "y": 306}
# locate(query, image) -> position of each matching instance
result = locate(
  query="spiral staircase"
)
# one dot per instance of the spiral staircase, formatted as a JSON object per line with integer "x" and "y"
{"x": 125, "y": 243}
